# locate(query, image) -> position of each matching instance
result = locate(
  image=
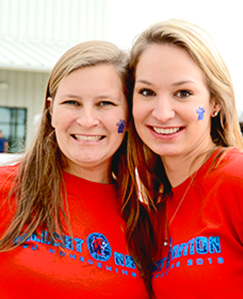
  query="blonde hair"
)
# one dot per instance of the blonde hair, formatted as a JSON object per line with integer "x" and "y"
{"x": 225, "y": 129}
{"x": 86, "y": 54}
{"x": 38, "y": 186}
{"x": 39, "y": 192}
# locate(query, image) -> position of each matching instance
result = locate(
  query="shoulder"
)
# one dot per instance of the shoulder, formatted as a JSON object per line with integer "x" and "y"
{"x": 225, "y": 187}
{"x": 230, "y": 163}
{"x": 225, "y": 180}
{"x": 224, "y": 173}
{"x": 7, "y": 170}
{"x": 234, "y": 154}
{"x": 7, "y": 175}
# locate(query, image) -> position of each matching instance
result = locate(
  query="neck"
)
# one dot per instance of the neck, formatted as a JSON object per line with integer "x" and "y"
{"x": 97, "y": 174}
{"x": 179, "y": 168}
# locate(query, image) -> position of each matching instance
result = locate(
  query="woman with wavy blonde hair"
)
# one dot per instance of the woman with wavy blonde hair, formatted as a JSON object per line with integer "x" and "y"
{"x": 186, "y": 145}
{"x": 62, "y": 231}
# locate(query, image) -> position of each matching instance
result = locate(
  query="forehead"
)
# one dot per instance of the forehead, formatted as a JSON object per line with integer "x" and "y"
{"x": 92, "y": 83}
{"x": 164, "y": 54}
{"x": 168, "y": 60}
{"x": 100, "y": 77}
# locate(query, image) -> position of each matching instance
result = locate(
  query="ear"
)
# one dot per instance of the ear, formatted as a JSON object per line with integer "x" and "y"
{"x": 216, "y": 107}
{"x": 49, "y": 103}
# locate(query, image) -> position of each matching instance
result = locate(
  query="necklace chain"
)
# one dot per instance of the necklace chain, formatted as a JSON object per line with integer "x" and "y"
{"x": 167, "y": 225}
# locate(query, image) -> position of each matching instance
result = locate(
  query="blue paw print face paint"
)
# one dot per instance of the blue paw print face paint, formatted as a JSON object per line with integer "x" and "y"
{"x": 121, "y": 125}
{"x": 200, "y": 112}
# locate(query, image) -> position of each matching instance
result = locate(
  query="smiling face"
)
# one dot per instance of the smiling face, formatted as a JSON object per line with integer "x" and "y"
{"x": 171, "y": 102}
{"x": 89, "y": 113}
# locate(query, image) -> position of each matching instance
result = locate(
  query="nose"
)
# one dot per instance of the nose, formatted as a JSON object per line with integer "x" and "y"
{"x": 163, "y": 109}
{"x": 87, "y": 117}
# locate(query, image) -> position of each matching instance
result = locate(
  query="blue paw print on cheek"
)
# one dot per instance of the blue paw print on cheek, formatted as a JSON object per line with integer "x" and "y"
{"x": 200, "y": 112}
{"x": 121, "y": 125}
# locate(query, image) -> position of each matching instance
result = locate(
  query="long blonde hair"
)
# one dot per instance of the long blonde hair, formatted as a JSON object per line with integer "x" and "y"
{"x": 225, "y": 129}
{"x": 38, "y": 186}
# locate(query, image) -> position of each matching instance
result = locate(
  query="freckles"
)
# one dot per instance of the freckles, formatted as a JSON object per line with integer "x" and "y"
{"x": 200, "y": 112}
{"x": 121, "y": 125}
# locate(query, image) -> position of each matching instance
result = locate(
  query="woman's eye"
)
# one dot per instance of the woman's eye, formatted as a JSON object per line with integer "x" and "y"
{"x": 183, "y": 94}
{"x": 105, "y": 103}
{"x": 71, "y": 102}
{"x": 146, "y": 92}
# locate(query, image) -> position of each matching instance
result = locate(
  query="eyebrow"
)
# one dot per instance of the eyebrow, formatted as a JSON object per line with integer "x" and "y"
{"x": 174, "y": 84}
{"x": 183, "y": 82}
{"x": 102, "y": 96}
{"x": 69, "y": 95}
{"x": 144, "y": 81}
{"x": 106, "y": 96}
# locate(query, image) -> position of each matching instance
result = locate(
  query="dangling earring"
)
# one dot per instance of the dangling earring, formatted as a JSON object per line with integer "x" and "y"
{"x": 215, "y": 113}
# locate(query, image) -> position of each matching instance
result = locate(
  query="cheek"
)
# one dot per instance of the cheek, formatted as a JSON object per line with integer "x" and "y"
{"x": 61, "y": 120}
{"x": 119, "y": 120}
{"x": 125, "y": 111}
{"x": 53, "y": 121}
{"x": 121, "y": 125}
{"x": 135, "y": 109}
{"x": 201, "y": 112}
{"x": 139, "y": 112}
{"x": 55, "y": 115}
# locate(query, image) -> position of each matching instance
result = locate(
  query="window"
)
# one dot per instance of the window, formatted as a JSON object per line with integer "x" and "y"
{"x": 13, "y": 126}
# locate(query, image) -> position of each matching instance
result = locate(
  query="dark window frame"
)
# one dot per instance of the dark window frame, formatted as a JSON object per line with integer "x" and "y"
{"x": 16, "y": 144}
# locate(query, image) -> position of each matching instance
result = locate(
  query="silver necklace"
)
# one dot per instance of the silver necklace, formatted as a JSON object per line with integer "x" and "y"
{"x": 167, "y": 225}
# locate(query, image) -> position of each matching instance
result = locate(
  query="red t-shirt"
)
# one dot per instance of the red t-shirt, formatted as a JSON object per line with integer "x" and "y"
{"x": 205, "y": 257}
{"x": 94, "y": 264}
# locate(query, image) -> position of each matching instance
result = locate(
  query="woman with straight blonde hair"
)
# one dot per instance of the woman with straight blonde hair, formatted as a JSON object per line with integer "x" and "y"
{"x": 66, "y": 228}
{"x": 186, "y": 145}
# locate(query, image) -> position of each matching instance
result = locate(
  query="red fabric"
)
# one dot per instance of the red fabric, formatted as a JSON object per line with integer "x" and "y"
{"x": 206, "y": 256}
{"x": 95, "y": 264}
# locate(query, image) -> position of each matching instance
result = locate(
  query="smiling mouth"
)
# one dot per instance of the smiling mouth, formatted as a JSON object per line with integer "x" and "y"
{"x": 88, "y": 138}
{"x": 167, "y": 131}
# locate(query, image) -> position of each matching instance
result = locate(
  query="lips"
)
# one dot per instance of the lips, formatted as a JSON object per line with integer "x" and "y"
{"x": 87, "y": 137}
{"x": 166, "y": 131}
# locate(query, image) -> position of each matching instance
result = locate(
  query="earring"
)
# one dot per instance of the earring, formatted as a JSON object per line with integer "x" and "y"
{"x": 215, "y": 113}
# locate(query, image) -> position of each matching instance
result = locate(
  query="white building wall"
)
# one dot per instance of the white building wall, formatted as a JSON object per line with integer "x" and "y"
{"x": 40, "y": 21}
{"x": 54, "y": 20}
{"x": 25, "y": 90}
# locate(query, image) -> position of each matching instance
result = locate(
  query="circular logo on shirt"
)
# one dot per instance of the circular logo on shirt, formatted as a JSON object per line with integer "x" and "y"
{"x": 99, "y": 247}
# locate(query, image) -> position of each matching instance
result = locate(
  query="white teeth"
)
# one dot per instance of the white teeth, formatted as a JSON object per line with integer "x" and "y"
{"x": 166, "y": 131}
{"x": 87, "y": 138}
